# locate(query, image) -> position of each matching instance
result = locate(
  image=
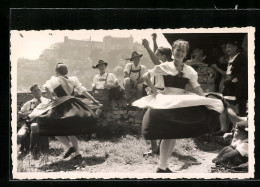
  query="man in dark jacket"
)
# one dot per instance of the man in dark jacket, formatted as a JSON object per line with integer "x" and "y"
{"x": 237, "y": 71}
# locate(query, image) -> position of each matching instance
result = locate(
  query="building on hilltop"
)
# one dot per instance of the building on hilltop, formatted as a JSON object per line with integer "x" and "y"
{"x": 116, "y": 43}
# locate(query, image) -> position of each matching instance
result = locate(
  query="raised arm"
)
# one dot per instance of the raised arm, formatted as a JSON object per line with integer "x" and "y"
{"x": 155, "y": 46}
{"x": 153, "y": 56}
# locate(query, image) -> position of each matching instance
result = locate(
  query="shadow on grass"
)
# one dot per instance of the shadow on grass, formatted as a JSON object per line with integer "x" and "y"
{"x": 55, "y": 152}
{"x": 186, "y": 160}
{"x": 72, "y": 164}
{"x": 209, "y": 143}
{"x": 51, "y": 151}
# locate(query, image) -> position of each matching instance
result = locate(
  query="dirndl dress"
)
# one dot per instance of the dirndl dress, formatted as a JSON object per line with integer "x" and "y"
{"x": 178, "y": 115}
{"x": 68, "y": 115}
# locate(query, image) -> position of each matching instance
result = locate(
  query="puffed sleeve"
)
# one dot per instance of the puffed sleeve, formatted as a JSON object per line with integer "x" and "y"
{"x": 157, "y": 70}
{"x": 78, "y": 87}
{"x": 192, "y": 75}
{"x": 51, "y": 84}
{"x": 127, "y": 68}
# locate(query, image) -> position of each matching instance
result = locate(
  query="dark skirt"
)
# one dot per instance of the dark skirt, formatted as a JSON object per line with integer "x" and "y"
{"x": 178, "y": 123}
{"x": 73, "y": 117}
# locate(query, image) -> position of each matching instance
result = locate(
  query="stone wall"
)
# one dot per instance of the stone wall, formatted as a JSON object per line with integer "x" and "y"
{"x": 116, "y": 120}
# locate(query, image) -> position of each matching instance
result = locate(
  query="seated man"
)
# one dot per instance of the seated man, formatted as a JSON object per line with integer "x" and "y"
{"x": 133, "y": 73}
{"x": 103, "y": 83}
{"x": 29, "y": 128}
{"x": 236, "y": 153}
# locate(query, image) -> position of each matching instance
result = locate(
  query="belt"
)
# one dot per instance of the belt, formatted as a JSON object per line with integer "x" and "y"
{"x": 160, "y": 89}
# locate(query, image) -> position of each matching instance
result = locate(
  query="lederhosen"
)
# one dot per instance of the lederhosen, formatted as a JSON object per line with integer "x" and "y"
{"x": 101, "y": 95}
{"x": 135, "y": 71}
{"x": 139, "y": 76}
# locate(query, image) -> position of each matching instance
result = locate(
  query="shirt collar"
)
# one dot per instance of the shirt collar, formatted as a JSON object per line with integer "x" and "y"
{"x": 35, "y": 100}
{"x": 135, "y": 65}
{"x": 231, "y": 59}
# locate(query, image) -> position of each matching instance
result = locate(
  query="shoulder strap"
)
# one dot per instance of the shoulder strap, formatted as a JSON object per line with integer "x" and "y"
{"x": 106, "y": 78}
{"x": 130, "y": 70}
{"x": 68, "y": 88}
{"x": 140, "y": 72}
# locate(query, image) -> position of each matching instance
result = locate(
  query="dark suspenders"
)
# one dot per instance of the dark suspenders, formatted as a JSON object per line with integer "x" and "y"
{"x": 103, "y": 79}
{"x": 139, "y": 71}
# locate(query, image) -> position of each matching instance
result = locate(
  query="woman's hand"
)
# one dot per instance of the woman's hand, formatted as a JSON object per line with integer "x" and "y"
{"x": 154, "y": 35}
{"x": 154, "y": 91}
{"x": 145, "y": 43}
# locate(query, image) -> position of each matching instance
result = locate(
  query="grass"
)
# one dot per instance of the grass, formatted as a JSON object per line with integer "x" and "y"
{"x": 123, "y": 154}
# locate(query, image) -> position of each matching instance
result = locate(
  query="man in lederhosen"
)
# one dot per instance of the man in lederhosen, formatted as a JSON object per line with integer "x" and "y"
{"x": 133, "y": 73}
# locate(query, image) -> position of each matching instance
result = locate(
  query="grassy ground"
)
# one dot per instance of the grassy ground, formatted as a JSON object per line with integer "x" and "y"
{"x": 125, "y": 155}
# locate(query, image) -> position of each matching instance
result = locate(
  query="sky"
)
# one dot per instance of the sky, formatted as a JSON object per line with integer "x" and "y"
{"x": 30, "y": 44}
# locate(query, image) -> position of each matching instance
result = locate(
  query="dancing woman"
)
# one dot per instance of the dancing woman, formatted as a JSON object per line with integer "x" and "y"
{"x": 172, "y": 113}
{"x": 67, "y": 115}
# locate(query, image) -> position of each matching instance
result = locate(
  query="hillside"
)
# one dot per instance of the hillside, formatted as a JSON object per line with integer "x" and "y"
{"x": 78, "y": 61}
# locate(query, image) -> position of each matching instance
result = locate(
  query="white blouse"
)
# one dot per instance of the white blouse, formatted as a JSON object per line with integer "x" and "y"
{"x": 99, "y": 80}
{"x": 54, "y": 83}
{"x": 168, "y": 68}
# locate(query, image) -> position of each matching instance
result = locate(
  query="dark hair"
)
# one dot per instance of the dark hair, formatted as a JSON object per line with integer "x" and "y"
{"x": 165, "y": 51}
{"x": 61, "y": 68}
{"x": 235, "y": 43}
{"x": 33, "y": 86}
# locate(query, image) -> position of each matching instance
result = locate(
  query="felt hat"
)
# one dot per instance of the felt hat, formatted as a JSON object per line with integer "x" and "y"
{"x": 134, "y": 55}
{"x": 99, "y": 63}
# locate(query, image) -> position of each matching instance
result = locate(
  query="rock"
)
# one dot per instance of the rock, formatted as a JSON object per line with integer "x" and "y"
{"x": 119, "y": 112}
{"x": 132, "y": 113}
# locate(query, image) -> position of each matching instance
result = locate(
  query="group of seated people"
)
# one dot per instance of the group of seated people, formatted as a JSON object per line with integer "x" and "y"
{"x": 231, "y": 65}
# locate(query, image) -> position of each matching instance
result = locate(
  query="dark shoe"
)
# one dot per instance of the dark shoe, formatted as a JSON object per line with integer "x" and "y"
{"x": 167, "y": 170}
{"x": 69, "y": 152}
{"x": 77, "y": 158}
{"x": 218, "y": 133}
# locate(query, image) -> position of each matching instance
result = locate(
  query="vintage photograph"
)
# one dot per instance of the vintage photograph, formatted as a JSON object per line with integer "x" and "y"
{"x": 148, "y": 103}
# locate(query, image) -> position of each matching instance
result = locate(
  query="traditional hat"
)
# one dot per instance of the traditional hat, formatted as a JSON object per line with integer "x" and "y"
{"x": 99, "y": 63}
{"x": 134, "y": 54}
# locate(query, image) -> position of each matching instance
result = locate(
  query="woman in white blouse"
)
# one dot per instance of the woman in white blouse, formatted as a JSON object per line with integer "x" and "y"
{"x": 67, "y": 115}
{"x": 172, "y": 113}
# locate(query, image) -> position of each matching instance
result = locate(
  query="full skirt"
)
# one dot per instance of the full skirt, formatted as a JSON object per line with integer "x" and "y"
{"x": 72, "y": 116}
